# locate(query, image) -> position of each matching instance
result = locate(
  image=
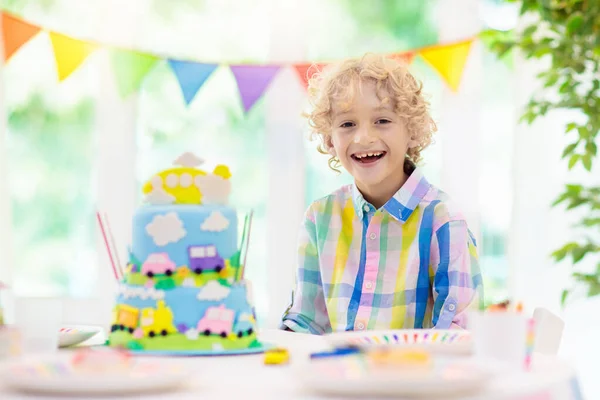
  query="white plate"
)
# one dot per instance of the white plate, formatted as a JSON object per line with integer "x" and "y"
{"x": 55, "y": 376}
{"x": 435, "y": 340}
{"x": 71, "y": 335}
{"x": 351, "y": 376}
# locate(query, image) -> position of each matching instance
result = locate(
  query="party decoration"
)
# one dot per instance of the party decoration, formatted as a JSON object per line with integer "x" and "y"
{"x": 130, "y": 69}
{"x": 15, "y": 34}
{"x": 131, "y": 66}
{"x": 69, "y": 53}
{"x": 216, "y": 222}
{"x": 448, "y": 61}
{"x": 307, "y": 70}
{"x": 191, "y": 76}
{"x": 165, "y": 229}
{"x": 252, "y": 81}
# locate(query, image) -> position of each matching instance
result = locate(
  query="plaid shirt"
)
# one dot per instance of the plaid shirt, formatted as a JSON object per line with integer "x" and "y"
{"x": 411, "y": 264}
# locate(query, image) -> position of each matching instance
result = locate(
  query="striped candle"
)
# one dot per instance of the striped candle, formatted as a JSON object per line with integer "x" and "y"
{"x": 529, "y": 341}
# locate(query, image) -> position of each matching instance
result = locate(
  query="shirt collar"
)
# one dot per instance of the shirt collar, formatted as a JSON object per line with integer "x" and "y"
{"x": 404, "y": 201}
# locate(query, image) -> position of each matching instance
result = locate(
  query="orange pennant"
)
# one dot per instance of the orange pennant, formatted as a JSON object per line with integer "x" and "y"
{"x": 69, "y": 53}
{"x": 306, "y": 71}
{"x": 15, "y": 34}
{"x": 406, "y": 57}
{"x": 448, "y": 60}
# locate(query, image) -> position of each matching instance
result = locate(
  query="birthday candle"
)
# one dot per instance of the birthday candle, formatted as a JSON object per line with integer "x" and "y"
{"x": 529, "y": 342}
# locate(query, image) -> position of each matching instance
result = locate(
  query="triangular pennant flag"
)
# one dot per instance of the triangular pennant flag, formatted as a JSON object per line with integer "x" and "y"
{"x": 448, "y": 60}
{"x": 130, "y": 69}
{"x": 191, "y": 76}
{"x": 252, "y": 81}
{"x": 69, "y": 53}
{"x": 15, "y": 34}
{"x": 406, "y": 57}
{"x": 306, "y": 71}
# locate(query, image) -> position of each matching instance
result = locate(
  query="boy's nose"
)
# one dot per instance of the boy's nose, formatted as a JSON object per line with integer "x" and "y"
{"x": 365, "y": 135}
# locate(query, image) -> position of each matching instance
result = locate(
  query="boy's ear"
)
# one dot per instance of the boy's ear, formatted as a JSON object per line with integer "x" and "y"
{"x": 412, "y": 143}
{"x": 329, "y": 146}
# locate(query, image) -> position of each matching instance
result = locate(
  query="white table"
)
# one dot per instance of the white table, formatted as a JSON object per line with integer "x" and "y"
{"x": 253, "y": 379}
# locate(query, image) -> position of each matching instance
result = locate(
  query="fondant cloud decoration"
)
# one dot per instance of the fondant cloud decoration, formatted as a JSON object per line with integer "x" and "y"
{"x": 188, "y": 159}
{"x": 215, "y": 189}
{"x": 216, "y": 222}
{"x": 246, "y": 317}
{"x": 165, "y": 229}
{"x": 213, "y": 291}
{"x": 159, "y": 196}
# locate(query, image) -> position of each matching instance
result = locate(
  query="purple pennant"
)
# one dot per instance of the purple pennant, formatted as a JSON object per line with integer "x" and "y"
{"x": 252, "y": 81}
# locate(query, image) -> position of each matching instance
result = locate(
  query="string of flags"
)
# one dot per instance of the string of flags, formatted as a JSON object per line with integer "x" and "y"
{"x": 131, "y": 67}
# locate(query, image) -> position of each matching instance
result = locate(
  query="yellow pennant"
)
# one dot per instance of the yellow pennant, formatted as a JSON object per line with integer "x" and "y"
{"x": 448, "y": 60}
{"x": 69, "y": 53}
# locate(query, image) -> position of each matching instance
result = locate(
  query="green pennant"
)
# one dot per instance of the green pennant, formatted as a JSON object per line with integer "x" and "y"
{"x": 130, "y": 69}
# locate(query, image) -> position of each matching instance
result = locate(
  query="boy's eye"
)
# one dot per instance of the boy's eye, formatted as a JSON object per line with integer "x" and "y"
{"x": 347, "y": 125}
{"x": 383, "y": 121}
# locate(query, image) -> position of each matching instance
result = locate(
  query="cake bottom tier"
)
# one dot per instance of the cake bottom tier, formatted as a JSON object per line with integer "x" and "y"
{"x": 212, "y": 317}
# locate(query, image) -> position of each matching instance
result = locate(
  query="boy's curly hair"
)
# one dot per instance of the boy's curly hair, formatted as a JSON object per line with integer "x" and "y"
{"x": 339, "y": 83}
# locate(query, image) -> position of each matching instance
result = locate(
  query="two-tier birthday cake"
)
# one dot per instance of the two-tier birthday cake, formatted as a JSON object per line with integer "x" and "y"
{"x": 183, "y": 289}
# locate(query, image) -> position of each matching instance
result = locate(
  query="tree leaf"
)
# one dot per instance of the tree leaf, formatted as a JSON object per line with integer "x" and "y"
{"x": 574, "y": 22}
{"x": 571, "y": 126}
{"x": 578, "y": 254}
{"x": 587, "y": 161}
{"x": 573, "y": 160}
{"x": 563, "y": 296}
{"x": 591, "y": 148}
{"x": 569, "y": 149}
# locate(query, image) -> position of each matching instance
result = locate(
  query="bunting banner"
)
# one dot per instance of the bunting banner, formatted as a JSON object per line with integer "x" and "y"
{"x": 69, "y": 53}
{"x": 191, "y": 76}
{"x": 131, "y": 67}
{"x": 449, "y": 61}
{"x": 15, "y": 33}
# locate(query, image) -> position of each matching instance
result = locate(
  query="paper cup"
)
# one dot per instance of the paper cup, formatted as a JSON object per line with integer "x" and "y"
{"x": 499, "y": 335}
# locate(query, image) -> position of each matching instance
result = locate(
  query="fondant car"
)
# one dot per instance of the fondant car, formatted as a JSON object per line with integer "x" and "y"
{"x": 158, "y": 264}
{"x": 203, "y": 258}
{"x": 217, "y": 321}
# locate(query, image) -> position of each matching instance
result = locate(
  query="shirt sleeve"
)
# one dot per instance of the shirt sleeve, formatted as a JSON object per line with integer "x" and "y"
{"x": 307, "y": 312}
{"x": 457, "y": 283}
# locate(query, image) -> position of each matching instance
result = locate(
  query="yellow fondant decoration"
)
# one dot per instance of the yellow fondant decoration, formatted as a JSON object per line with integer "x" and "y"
{"x": 155, "y": 321}
{"x": 222, "y": 171}
{"x": 190, "y": 194}
{"x": 180, "y": 182}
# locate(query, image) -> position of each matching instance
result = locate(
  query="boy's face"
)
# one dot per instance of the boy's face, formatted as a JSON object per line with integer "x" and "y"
{"x": 370, "y": 140}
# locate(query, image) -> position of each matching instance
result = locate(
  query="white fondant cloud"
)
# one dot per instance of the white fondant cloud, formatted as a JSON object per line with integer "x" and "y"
{"x": 159, "y": 196}
{"x": 245, "y": 317}
{"x": 191, "y": 334}
{"x": 188, "y": 159}
{"x": 165, "y": 229}
{"x": 143, "y": 293}
{"x": 216, "y": 222}
{"x": 214, "y": 189}
{"x": 213, "y": 291}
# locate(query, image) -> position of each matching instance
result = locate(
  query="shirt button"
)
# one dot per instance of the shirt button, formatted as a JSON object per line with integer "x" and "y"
{"x": 360, "y": 326}
{"x": 451, "y": 307}
{"x": 366, "y": 208}
{"x": 372, "y": 235}
{"x": 369, "y": 285}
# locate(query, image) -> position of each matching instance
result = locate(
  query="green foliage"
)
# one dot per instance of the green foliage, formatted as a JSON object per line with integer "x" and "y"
{"x": 405, "y": 20}
{"x": 566, "y": 34}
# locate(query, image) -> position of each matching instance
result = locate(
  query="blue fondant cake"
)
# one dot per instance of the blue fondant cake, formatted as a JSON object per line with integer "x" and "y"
{"x": 183, "y": 288}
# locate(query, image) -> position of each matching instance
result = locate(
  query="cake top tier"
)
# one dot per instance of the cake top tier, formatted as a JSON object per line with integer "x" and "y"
{"x": 187, "y": 184}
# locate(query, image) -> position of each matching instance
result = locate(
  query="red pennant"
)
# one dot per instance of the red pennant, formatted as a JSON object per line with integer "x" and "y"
{"x": 15, "y": 34}
{"x": 306, "y": 71}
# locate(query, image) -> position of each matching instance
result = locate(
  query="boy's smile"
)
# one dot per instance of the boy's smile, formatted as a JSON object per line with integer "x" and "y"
{"x": 371, "y": 140}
